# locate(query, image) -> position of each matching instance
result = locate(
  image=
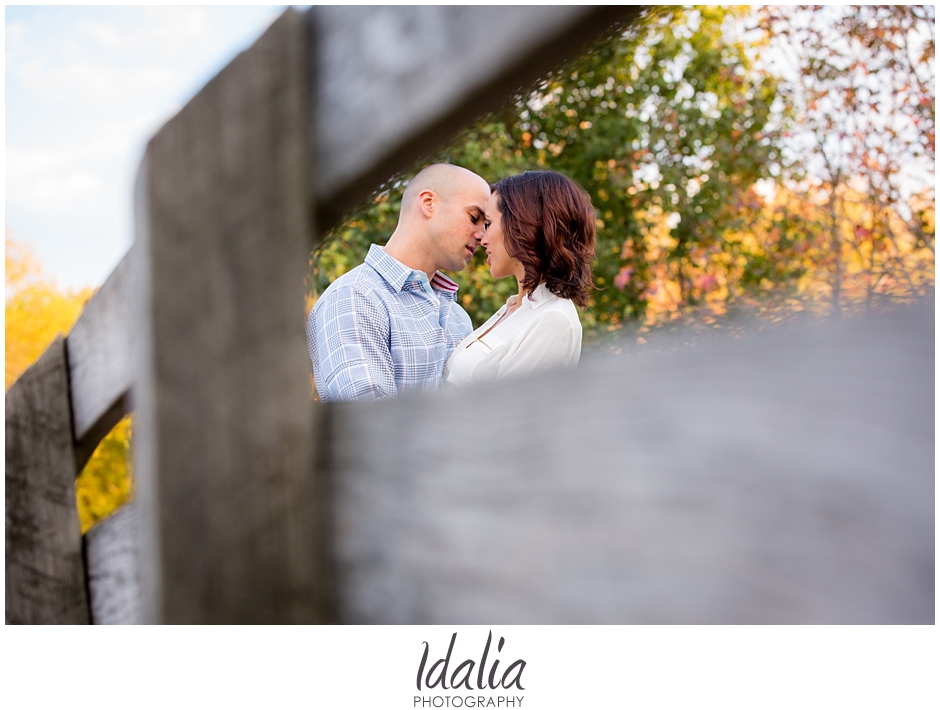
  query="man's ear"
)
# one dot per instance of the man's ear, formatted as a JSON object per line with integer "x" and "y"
{"x": 427, "y": 203}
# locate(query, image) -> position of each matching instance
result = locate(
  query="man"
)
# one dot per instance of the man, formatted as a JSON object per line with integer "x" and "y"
{"x": 389, "y": 325}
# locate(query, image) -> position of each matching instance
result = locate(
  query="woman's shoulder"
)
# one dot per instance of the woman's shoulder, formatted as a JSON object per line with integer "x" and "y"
{"x": 558, "y": 317}
{"x": 548, "y": 303}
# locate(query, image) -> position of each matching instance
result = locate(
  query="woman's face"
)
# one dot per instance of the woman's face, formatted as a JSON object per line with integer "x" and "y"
{"x": 497, "y": 258}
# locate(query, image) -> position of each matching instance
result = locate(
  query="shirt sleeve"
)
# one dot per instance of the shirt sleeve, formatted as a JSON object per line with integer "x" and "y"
{"x": 553, "y": 341}
{"x": 348, "y": 341}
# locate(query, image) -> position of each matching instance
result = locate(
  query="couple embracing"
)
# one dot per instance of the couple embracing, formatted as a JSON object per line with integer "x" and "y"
{"x": 393, "y": 325}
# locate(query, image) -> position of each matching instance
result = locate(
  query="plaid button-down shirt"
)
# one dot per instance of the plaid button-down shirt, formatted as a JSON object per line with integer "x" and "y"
{"x": 382, "y": 329}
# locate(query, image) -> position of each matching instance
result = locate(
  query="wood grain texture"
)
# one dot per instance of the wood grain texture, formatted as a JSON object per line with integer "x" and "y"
{"x": 787, "y": 477}
{"x": 223, "y": 429}
{"x": 99, "y": 353}
{"x": 45, "y": 581}
{"x": 111, "y": 563}
{"x": 393, "y": 83}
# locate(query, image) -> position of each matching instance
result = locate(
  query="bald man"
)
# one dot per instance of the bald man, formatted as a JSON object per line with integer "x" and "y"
{"x": 389, "y": 325}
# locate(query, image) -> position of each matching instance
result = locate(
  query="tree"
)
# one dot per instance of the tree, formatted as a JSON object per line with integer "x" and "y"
{"x": 862, "y": 85}
{"x": 665, "y": 121}
{"x": 36, "y": 310}
{"x": 724, "y": 182}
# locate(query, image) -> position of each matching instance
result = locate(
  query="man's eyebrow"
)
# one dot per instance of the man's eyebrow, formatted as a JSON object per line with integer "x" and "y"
{"x": 477, "y": 211}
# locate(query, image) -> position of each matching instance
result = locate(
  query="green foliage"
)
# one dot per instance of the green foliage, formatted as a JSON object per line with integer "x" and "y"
{"x": 670, "y": 126}
{"x": 666, "y": 121}
{"x": 667, "y": 118}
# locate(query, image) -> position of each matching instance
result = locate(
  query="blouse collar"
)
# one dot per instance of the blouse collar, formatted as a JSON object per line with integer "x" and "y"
{"x": 540, "y": 296}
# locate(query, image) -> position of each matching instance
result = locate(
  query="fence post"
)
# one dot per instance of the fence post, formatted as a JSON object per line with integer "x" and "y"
{"x": 45, "y": 578}
{"x": 230, "y": 515}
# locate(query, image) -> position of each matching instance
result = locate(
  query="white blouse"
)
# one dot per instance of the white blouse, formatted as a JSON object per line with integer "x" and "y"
{"x": 543, "y": 332}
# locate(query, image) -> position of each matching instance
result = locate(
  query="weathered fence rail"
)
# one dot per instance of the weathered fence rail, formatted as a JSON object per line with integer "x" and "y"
{"x": 786, "y": 477}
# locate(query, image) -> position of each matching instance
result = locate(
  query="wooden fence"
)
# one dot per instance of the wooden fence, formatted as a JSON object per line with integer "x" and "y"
{"x": 783, "y": 477}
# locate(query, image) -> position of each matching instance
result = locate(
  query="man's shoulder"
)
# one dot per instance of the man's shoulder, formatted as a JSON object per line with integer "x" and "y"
{"x": 361, "y": 280}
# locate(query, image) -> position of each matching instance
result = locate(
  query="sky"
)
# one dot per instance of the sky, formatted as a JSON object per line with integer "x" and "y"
{"x": 85, "y": 89}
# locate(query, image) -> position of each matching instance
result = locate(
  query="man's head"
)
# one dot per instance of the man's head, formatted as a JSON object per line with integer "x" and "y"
{"x": 441, "y": 220}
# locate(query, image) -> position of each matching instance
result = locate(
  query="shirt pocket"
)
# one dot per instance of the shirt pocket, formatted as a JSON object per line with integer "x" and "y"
{"x": 479, "y": 347}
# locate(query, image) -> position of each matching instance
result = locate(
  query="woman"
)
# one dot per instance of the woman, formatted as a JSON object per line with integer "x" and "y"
{"x": 540, "y": 228}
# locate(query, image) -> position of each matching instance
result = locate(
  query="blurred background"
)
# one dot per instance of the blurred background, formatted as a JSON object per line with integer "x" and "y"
{"x": 749, "y": 166}
{"x": 762, "y": 161}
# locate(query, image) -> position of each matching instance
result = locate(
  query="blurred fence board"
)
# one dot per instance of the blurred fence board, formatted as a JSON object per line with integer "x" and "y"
{"x": 224, "y": 427}
{"x": 784, "y": 478}
{"x": 111, "y": 562}
{"x": 99, "y": 354}
{"x": 392, "y": 83}
{"x": 45, "y": 577}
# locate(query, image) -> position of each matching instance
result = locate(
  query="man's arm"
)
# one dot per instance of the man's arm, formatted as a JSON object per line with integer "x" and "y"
{"x": 348, "y": 341}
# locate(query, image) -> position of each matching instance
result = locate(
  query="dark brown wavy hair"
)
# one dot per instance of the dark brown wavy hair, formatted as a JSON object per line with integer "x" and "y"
{"x": 548, "y": 224}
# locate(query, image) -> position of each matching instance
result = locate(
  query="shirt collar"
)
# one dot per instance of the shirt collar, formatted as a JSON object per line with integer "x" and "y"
{"x": 389, "y": 268}
{"x": 397, "y": 274}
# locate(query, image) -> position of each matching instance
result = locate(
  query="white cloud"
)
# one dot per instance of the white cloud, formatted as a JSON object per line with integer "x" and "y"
{"x": 90, "y": 81}
{"x": 57, "y": 194}
{"x": 16, "y": 40}
{"x": 176, "y": 28}
{"x": 15, "y": 31}
{"x": 164, "y": 30}
{"x": 108, "y": 35}
{"x": 23, "y": 164}
{"x": 54, "y": 179}
{"x": 102, "y": 140}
